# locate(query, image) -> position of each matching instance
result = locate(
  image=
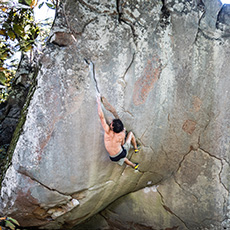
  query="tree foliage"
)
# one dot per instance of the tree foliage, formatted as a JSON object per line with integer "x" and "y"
{"x": 8, "y": 223}
{"x": 18, "y": 33}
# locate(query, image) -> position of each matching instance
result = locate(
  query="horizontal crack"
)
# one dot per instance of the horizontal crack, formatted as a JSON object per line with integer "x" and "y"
{"x": 211, "y": 155}
{"x": 45, "y": 186}
{"x": 206, "y": 36}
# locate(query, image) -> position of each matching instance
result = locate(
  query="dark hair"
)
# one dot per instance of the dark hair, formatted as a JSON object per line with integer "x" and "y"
{"x": 117, "y": 126}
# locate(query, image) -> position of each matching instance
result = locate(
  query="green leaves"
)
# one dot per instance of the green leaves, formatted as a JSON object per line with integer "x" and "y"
{"x": 9, "y": 223}
{"x": 18, "y": 32}
{"x": 40, "y": 5}
{"x": 49, "y": 4}
{"x": 31, "y": 3}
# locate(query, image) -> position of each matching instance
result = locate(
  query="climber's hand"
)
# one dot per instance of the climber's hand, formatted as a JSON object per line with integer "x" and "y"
{"x": 98, "y": 98}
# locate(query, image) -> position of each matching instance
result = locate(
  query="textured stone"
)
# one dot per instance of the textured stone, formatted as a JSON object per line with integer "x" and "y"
{"x": 162, "y": 65}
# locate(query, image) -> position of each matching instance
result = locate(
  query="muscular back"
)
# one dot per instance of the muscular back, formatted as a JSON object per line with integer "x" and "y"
{"x": 113, "y": 142}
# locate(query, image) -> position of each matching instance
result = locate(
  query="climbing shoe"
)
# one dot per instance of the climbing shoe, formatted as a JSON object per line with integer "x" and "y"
{"x": 136, "y": 166}
{"x": 137, "y": 150}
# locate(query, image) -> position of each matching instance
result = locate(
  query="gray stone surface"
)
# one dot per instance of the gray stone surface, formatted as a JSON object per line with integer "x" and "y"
{"x": 163, "y": 67}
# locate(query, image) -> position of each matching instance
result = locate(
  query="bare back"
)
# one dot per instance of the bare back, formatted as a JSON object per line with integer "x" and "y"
{"x": 113, "y": 142}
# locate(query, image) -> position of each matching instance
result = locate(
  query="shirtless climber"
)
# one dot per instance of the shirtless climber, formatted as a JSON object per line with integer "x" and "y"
{"x": 114, "y": 139}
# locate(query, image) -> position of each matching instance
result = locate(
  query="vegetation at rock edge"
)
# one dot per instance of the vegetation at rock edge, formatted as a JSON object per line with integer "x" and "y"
{"x": 19, "y": 33}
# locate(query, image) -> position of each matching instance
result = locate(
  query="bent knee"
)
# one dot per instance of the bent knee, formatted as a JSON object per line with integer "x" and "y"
{"x": 129, "y": 137}
{"x": 130, "y": 134}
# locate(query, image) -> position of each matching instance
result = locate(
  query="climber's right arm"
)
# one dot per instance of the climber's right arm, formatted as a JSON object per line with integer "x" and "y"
{"x": 101, "y": 115}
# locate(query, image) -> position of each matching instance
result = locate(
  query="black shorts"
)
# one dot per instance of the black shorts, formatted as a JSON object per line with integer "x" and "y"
{"x": 120, "y": 156}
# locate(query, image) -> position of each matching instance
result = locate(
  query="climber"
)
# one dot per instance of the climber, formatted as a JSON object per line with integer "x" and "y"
{"x": 114, "y": 139}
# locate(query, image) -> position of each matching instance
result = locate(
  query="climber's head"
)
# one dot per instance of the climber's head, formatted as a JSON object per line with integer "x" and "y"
{"x": 117, "y": 125}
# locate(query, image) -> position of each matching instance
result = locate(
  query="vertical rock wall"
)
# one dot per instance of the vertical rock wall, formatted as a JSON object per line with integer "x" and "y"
{"x": 162, "y": 65}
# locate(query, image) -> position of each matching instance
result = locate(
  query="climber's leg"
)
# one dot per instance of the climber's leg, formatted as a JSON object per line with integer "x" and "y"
{"x": 131, "y": 139}
{"x": 128, "y": 162}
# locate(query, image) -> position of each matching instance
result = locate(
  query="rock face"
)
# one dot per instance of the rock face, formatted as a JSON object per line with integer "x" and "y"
{"x": 164, "y": 67}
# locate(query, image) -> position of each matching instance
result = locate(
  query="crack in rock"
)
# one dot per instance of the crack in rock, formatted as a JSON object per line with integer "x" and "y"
{"x": 57, "y": 210}
{"x": 135, "y": 36}
{"x": 61, "y": 210}
{"x": 142, "y": 174}
{"x": 199, "y": 22}
{"x": 129, "y": 66}
{"x": 181, "y": 162}
{"x": 168, "y": 209}
{"x": 74, "y": 33}
{"x": 21, "y": 171}
{"x": 211, "y": 155}
{"x": 122, "y": 80}
{"x": 222, "y": 166}
{"x": 164, "y": 19}
{"x": 102, "y": 190}
{"x": 119, "y": 10}
{"x": 180, "y": 186}
{"x": 219, "y": 174}
{"x": 201, "y": 7}
{"x": 165, "y": 11}
{"x": 206, "y": 36}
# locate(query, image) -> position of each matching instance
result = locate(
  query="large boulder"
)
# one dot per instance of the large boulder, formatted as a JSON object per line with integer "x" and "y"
{"x": 162, "y": 65}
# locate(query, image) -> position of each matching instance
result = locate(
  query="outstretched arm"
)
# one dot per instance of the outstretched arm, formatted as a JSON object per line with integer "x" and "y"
{"x": 101, "y": 115}
{"x": 109, "y": 107}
